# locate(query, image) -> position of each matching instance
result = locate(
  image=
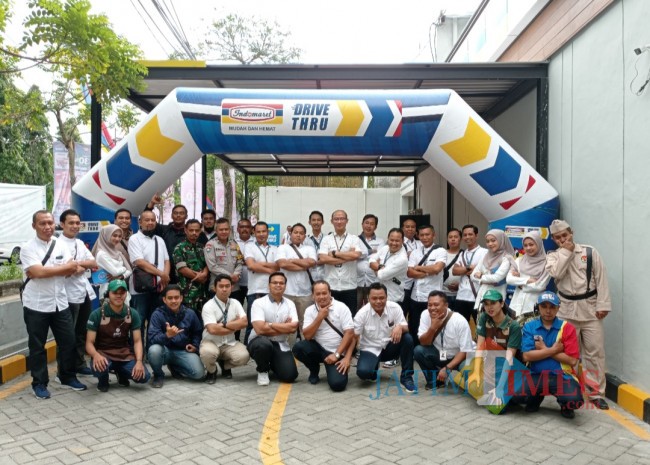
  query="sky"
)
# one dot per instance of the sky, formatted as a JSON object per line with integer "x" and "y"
{"x": 330, "y": 32}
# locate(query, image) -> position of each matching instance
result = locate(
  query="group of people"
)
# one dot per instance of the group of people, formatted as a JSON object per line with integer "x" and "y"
{"x": 195, "y": 297}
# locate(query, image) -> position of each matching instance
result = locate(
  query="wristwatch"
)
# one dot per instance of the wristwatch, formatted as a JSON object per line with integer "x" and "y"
{"x": 337, "y": 355}
{"x": 334, "y": 253}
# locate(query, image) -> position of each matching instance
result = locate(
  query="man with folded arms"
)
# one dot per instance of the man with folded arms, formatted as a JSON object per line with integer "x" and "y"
{"x": 273, "y": 317}
{"x": 329, "y": 338}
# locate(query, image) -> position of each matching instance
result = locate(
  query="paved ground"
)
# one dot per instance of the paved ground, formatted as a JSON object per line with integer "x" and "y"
{"x": 227, "y": 423}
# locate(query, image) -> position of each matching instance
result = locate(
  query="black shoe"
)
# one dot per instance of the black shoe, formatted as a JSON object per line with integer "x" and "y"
{"x": 175, "y": 374}
{"x": 600, "y": 403}
{"x": 428, "y": 386}
{"x": 567, "y": 413}
{"x": 123, "y": 381}
{"x": 157, "y": 382}
{"x": 531, "y": 407}
{"x": 211, "y": 378}
{"x": 313, "y": 377}
{"x": 102, "y": 387}
{"x": 226, "y": 373}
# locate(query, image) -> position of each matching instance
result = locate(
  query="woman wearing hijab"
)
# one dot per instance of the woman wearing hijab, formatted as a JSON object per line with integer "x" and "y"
{"x": 529, "y": 275}
{"x": 109, "y": 258}
{"x": 494, "y": 267}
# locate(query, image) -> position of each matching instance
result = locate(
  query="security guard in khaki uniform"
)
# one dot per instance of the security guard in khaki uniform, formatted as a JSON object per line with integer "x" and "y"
{"x": 223, "y": 256}
{"x": 581, "y": 282}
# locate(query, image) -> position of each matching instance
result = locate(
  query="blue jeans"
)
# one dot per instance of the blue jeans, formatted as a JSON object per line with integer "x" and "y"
{"x": 428, "y": 358}
{"x": 145, "y": 304}
{"x": 312, "y": 354}
{"x": 122, "y": 370}
{"x": 187, "y": 364}
{"x": 38, "y": 324}
{"x": 368, "y": 364}
{"x": 565, "y": 389}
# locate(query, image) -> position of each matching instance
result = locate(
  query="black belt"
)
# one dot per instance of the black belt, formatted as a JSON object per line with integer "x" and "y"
{"x": 584, "y": 296}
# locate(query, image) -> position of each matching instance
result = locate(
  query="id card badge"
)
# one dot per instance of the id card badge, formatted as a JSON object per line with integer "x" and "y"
{"x": 443, "y": 355}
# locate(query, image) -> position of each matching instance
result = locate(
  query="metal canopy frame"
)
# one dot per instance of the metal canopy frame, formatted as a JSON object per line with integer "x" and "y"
{"x": 489, "y": 88}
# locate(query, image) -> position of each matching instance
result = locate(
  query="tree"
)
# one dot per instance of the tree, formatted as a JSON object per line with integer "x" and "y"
{"x": 250, "y": 40}
{"x": 65, "y": 39}
{"x": 246, "y": 41}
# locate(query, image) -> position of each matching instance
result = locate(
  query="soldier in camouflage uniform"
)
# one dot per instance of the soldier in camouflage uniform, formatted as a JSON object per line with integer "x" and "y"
{"x": 192, "y": 270}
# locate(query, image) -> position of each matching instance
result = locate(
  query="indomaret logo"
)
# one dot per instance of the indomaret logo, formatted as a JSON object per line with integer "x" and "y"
{"x": 251, "y": 113}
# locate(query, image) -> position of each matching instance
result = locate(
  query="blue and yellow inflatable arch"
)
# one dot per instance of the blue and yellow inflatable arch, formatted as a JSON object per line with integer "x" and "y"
{"x": 434, "y": 124}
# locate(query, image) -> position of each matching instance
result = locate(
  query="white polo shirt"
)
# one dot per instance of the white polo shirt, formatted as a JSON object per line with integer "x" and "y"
{"x": 77, "y": 286}
{"x": 298, "y": 283}
{"x": 342, "y": 277}
{"x": 455, "y": 337}
{"x": 317, "y": 272}
{"x": 258, "y": 283}
{"x": 213, "y": 313}
{"x": 393, "y": 268}
{"x": 375, "y": 330}
{"x": 339, "y": 315}
{"x": 265, "y": 309}
{"x": 410, "y": 246}
{"x": 422, "y": 286}
{"x": 243, "y": 277}
{"x": 469, "y": 258}
{"x": 44, "y": 294}
{"x": 142, "y": 247}
{"x": 365, "y": 276}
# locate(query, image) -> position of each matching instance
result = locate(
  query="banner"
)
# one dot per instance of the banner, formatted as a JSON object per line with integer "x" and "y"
{"x": 191, "y": 191}
{"x": 62, "y": 185}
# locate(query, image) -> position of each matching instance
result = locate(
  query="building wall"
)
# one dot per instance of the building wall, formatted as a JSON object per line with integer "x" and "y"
{"x": 290, "y": 205}
{"x": 598, "y": 161}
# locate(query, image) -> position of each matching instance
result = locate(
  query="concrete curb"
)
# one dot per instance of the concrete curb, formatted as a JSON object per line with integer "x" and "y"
{"x": 15, "y": 365}
{"x": 629, "y": 397}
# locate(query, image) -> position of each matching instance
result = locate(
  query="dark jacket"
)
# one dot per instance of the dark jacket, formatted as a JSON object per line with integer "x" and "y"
{"x": 185, "y": 319}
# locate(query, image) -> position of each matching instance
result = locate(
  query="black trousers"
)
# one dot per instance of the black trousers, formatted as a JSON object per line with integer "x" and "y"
{"x": 268, "y": 356}
{"x": 80, "y": 314}
{"x": 61, "y": 324}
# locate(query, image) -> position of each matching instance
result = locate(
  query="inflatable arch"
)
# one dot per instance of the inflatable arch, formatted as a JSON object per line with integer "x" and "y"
{"x": 434, "y": 124}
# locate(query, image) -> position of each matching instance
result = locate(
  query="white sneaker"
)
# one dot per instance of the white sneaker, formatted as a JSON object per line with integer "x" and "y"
{"x": 263, "y": 378}
{"x": 391, "y": 364}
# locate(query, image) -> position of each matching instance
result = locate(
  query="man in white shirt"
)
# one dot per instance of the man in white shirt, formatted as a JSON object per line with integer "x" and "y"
{"x": 77, "y": 287}
{"x": 260, "y": 260}
{"x": 296, "y": 260}
{"x": 425, "y": 267}
{"x": 383, "y": 335}
{"x": 244, "y": 229}
{"x": 464, "y": 267}
{"x": 445, "y": 340}
{"x": 46, "y": 262}
{"x": 409, "y": 228}
{"x": 315, "y": 239}
{"x": 148, "y": 252}
{"x": 390, "y": 265}
{"x": 222, "y": 317}
{"x": 273, "y": 317}
{"x": 372, "y": 243}
{"x": 329, "y": 338}
{"x": 339, "y": 253}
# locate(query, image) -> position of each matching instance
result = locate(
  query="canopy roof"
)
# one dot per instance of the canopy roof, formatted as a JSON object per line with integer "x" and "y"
{"x": 489, "y": 88}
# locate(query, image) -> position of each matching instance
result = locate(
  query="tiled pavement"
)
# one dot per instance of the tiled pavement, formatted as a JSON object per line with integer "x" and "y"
{"x": 186, "y": 422}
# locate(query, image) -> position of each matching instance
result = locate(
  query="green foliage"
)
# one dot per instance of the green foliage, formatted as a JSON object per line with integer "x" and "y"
{"x": 81, "y": 47}
{"x": 250, "y": 40}
{"x": 25, "y": 145}
{"x": 10, "y": 271}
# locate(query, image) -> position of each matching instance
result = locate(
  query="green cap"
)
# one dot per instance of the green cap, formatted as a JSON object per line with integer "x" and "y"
{"x": 492, "y": 295}
{"x": 117, "y": 284}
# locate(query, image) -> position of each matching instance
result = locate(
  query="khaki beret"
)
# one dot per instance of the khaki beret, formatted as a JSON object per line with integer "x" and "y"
{"x": 559, "y": 225}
